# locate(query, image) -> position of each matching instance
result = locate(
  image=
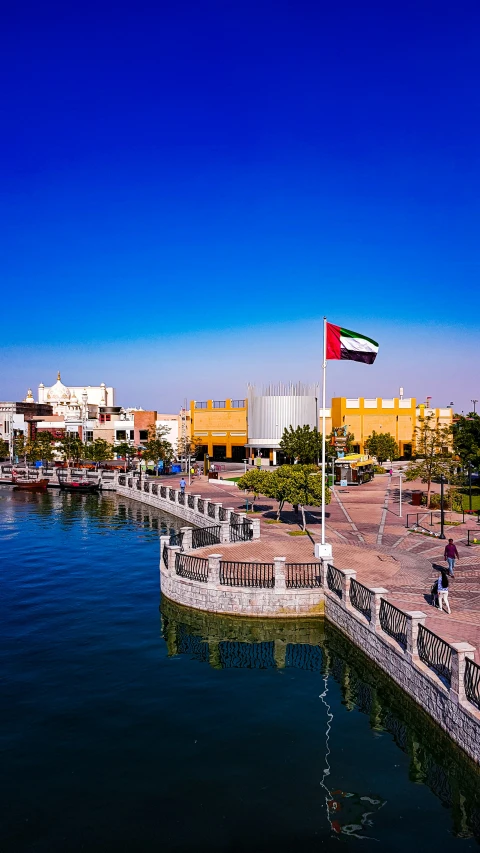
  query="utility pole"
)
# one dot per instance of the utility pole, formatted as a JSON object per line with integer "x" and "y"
{"x": 400, "y": 471}
{"x": 474, "y": 404}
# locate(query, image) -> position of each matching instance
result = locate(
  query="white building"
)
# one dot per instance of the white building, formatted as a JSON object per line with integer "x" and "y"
{"x": 70, "y": 399}
{"x": 275, "y": 409}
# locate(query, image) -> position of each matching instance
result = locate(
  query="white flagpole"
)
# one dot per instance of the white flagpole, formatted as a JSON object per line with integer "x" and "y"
{"x": 323, "y": 423}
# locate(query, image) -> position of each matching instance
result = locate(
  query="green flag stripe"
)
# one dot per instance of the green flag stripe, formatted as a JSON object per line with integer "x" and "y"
{"x": 346, "y": 333}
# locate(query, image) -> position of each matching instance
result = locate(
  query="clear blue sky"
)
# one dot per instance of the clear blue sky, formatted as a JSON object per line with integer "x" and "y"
{"x": 187, "y": 188}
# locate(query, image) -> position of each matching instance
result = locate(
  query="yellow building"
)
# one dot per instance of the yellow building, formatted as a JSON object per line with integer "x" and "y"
{"x": 397, "y": 416}
{"x": 220, "y": 427}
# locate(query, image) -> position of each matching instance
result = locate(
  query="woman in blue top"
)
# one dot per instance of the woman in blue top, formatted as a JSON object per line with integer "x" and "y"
{"x": 442, "y": 591}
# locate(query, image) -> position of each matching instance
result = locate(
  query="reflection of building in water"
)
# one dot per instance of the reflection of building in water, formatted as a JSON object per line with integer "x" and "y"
{"x": 313, "y": 644}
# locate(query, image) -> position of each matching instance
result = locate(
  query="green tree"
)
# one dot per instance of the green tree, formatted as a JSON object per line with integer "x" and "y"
{"x": 382, "y": 445}
{"x": 125, "y": 450}
{"x": 432, "y": 453}
{"x": 254, "y": 482}
{"x": 4, "y": 449}
{"x": 295, "y": 484}
{"x": 72, "y": 447}
{"x": 40, "y": 450}
{"x": 466, "y": 439}
{"x": 188, "y": 447}
{"x": 157, "y": 448}
{"x": 20, "y": 446}
{"x": 99, "y": 450}
{"x": 302, "y": 444}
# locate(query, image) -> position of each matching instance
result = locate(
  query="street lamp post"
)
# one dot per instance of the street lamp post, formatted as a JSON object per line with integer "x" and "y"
{"x": 470, "y": 486}
{"x": 474, "y": 404}
{"x": 400, "y": 472}
{"x": 442, "y": 516}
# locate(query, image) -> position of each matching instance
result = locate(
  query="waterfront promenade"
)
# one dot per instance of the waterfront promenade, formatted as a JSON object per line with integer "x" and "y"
{"x": 368, "y": 535}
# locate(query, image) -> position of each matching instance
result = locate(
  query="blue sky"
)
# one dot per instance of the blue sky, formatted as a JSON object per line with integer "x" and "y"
{"x": 187, "y": 188}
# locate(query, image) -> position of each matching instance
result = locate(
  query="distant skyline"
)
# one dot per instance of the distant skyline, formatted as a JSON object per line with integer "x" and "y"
{"x": 185, "y": 190}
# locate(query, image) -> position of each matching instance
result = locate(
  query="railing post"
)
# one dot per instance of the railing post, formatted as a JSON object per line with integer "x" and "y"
{"x": 214, "y": 569}
{"x": 414, "y": 619}
{"x": 217, "y": 505}
{"x": 224, "y": 531}
{"x": 228, "y": 512}
{"x": 323, "y": 572}
{"x": 164, "y": 541}
{"x": 255, "y": 522}
{"x": 187, "y": 538}
{"x": 347, "y": 576}
{"x": 173, "y": 550}
{"x": 195, "y": 502}
{"x": 279, "y": 574}
{"x": 377, "y": 594}
{"x": 460, "y": 652}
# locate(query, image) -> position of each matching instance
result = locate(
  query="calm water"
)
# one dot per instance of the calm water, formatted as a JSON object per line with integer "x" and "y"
{"x": 128, "y": 729}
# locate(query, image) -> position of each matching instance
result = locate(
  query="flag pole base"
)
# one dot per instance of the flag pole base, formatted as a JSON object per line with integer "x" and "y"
{"x": 323, "y": 552}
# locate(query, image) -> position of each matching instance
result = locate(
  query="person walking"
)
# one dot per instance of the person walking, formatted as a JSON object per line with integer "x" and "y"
{"x": 182, "y": 486}
{"x": 450, "y": 555}
{"x": 442, "y": 591}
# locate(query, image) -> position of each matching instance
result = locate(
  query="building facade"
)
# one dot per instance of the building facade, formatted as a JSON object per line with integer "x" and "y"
{"x": 398, "y": 416}
{"x": 220, "y": 428}
{"x": 273, "y": 410}
{"x": 68, "y": 398}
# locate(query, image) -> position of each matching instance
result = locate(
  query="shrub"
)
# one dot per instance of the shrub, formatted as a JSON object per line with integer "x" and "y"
{"x": 379, "y": 469}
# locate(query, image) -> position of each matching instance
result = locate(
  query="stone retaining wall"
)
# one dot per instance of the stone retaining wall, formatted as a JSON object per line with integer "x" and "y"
{"x": 214, "y": 597}
{"x": 204, "y": 513}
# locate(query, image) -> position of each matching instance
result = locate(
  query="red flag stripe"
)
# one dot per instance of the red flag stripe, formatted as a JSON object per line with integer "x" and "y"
{"x": 333, "y": 341}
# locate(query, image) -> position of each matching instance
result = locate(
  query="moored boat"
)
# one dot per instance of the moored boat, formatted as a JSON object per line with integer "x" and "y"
{"x": 80, "y": 486}
{"x": 31, "y": 485}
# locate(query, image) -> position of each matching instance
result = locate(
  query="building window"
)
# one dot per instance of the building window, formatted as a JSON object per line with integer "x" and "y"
{"x": 121, "y": 435}
{"x": 88, "y": 435}
{"x": 102, "y": 419}
{"x": 219, "y": 452}
{"x": 218, "y": 404}
{"x": 238, "y": 404}
{"x": 144, "y": 435}
{"x": 238, "y": 453}
{"x": 132, "y": 435}
{"x": 108, "y": 417}
{"x": 200, "y": 405}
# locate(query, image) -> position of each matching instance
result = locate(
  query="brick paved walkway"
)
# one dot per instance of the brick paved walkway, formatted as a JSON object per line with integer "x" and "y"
{"x": 367, "y": 535}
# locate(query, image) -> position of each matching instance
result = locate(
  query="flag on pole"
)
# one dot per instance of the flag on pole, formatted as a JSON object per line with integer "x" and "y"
{"x": 344, "y": 344}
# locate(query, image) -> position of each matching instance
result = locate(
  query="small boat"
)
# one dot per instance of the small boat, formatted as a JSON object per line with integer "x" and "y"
{"x": 31, "y": 485}
{"x": 80, "y": 486}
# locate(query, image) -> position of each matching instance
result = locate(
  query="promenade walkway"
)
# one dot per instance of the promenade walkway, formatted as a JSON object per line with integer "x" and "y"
{"x": 368, "y": 535}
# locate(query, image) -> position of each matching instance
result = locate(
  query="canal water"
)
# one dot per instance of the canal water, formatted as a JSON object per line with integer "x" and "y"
{"x": 126, "y": 726}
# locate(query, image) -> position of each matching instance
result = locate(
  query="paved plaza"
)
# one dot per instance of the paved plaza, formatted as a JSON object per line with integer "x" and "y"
{"x": 367, "y": 535}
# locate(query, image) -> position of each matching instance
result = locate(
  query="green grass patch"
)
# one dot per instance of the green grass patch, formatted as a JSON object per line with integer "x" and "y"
{"x": 272, "y": 521}
{"x": 231, "y": 479}
{"x": 299, "y": 533}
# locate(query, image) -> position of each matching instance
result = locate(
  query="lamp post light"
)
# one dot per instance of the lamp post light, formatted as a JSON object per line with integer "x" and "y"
{"x": 474, "y": 404}
{"x": 470, "y": 486}
{"x": 400, "y": 473}
{"x": 442, "y": 516}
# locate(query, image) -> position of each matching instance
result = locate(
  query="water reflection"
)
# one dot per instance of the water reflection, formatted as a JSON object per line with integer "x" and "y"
{"x": 314, "y": 645}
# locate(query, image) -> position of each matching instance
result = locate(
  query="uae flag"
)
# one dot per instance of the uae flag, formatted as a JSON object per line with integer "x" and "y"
{"x": 344, "y": 344}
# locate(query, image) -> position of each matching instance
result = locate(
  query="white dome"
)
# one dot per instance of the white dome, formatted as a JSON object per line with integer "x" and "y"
{"x": 58, "y": 393}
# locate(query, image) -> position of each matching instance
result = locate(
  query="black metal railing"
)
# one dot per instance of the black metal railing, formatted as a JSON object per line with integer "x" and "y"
{"x": 394, "y": 622}
{"x": 202, "y": 537}
{"x": 165, "y": 557}
{"x": 193, "y": 568}
{"x": 201, "y": 505}
{"x": 154, "y": 488}
{"x": 130, "y": 482}
{"x": 176, "y": 539}
{"x": 247, "y": 574}
{"x": 181, "y": 498}
{"x": 146, "y": 487}
{"x": 361, "y": 598}
{"x": 191, "y": 501}
{"x": 241, "y": 532}
{"x": 222, "y": 513}
{"x": 302, "y": 575}
{"x": 472, "y": 682}
{"x": 163, "y": 491}
{"x": 211, "y": 510}
{"x": 122, "y": 479}
{"x": 334, "y": 580}
{"x": 139, "y": 485}
{"x": 435, "y": 652}
{"x": 171, "y": 494}
{"x": 474, "y": 538}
